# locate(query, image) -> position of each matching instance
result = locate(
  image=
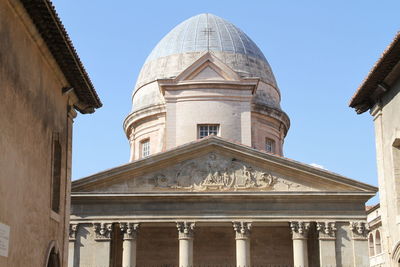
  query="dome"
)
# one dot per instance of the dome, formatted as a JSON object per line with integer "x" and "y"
{"x": 223, "y": 82}
{"x": 206, "y": 32}
{"x": 187, "y": 42}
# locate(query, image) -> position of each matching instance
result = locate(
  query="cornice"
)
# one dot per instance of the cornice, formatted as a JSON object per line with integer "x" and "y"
{"x": 231, "y": 79}
{"x": 284, "y": 196}
{"x": 277, "y": 114}
{"x": 256, "y": 220}
{"x": 51, "y": 29}
{"x": 166, "y": 84}
{"x": 373, "y": 87}
{"x": 141, "y": 114}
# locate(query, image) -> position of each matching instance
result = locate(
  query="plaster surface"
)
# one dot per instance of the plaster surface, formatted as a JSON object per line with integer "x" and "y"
{"x": 387, "y": 135}
{"x": 33, "y": 110}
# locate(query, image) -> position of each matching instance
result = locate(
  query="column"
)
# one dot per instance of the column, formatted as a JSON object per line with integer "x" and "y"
{"x": 129, "y": 231}
{"x": 327, "y": 240}
{"x": 242, "y": 236}
{"x": 299, "y": 236}
{"x": 102, "y": 235}
{"x": 73, "y": 228}
{"x": 360, "y": 231}
{"x": 185, "y": 233}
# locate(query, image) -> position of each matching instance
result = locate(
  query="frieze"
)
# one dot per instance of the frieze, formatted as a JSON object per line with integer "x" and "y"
{"x": 214, "y": 172}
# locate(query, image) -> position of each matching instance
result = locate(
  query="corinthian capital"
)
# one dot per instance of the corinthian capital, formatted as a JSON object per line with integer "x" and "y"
{"x": 360, "y": 229}
{"x": 299, "y": 229}
{"x": 73, "y": 229}
{"x": 130, "y": 230}
{"x": 102, "y": 231}
{"x": 326, "y": 230}
{"x": 185, "y": 229}
{"x": 242, "y": 229}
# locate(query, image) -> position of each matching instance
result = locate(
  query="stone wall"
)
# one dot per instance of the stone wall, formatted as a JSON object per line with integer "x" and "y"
{"x": 186, "y": 109}
{"x": 387, "y": 134}
{"x": 157, "y": 246}
{"x": 264, "y": 127}
{"x": 88, "y": 251}
{"x": 271, "y": 245}
{"x": 33, "y": 110}
{"x": 214, "y": 245}
{"x": 344, "y": 251}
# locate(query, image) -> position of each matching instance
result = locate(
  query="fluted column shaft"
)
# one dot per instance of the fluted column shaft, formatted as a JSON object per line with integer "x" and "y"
{"x": 130, "y": 231}
{"x": 242, "y": 236}
{"x": 185, "y": 234}
{"x": 299, "y": 236}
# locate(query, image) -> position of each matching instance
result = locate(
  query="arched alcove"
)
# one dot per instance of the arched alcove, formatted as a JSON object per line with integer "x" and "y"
{"x": 371, "y": 245}
{"x": 378, "y": 247}
{"x": 53, "y": 256}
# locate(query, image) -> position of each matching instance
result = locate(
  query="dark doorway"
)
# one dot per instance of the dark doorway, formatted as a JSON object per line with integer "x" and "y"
{"x": 54, "y": 259}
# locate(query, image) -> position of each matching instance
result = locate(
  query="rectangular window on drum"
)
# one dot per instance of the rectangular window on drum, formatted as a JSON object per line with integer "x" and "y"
{"x": 145, "y": 148}
{"x": 207, "y": 129}
{"x": 269, "y": 145}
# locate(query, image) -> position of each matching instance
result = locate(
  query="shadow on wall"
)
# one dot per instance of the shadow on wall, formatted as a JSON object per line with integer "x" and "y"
{"x": 82, "y": 234}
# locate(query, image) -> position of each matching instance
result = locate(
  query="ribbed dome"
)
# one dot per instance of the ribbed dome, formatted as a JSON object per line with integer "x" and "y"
{"x": 187, "y": 42}
{"x": 206, "y": 32}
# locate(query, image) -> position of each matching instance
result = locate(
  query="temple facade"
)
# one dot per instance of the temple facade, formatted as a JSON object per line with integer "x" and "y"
{"x": 207, "y": 183}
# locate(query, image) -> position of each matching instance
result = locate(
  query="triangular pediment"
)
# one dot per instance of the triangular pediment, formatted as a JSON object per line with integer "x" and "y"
{"x": 216, "y": 165}
{"x": 208, "y": 68}
{"x": 207, "y": 73}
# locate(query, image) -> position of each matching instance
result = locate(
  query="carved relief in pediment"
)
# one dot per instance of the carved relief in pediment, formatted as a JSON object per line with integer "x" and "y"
{"x": 217, "y": 173}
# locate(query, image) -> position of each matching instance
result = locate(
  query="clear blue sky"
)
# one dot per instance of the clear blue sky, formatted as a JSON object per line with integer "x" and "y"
{"x": 320, "y": 52}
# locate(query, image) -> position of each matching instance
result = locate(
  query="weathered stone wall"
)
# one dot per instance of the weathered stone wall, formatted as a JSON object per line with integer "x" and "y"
{"x": 271, "y": 245}
{"x": 151, "y": 128}
{"x": 158, "y": 246}
{"x": 263, "y": 127}
{"x": 387, "y": 131}
{"x": 88, "y": 252}
{"x": 344, "y": 248}
{"x": 214, "y": 245}
{"x": 186, "y": 109}
{"x": 32, "y": 108}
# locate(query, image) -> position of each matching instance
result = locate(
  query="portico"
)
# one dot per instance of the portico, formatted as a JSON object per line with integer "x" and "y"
{"x": 212, "y": 244}
{"x": 267, "y": 210}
